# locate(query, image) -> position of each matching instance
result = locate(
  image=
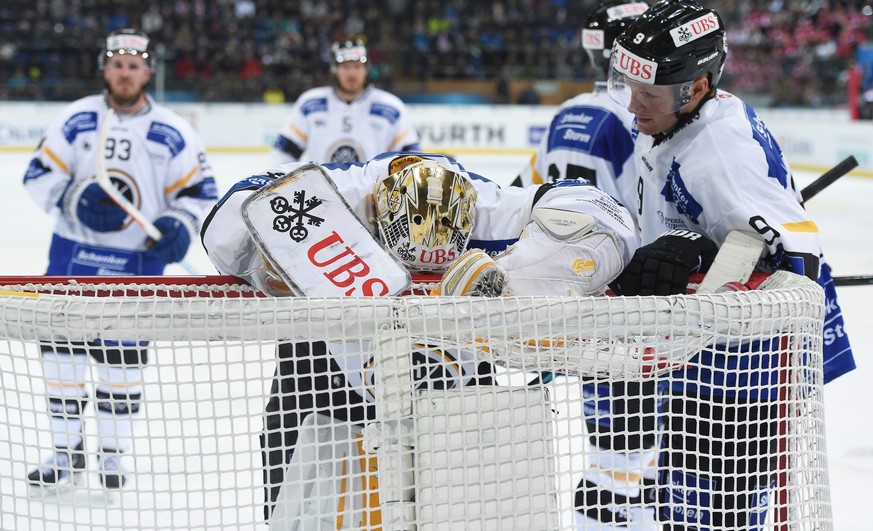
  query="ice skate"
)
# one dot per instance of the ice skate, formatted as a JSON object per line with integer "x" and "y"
{"x": 113, "y": 476}
{"x": 63, "y": 469}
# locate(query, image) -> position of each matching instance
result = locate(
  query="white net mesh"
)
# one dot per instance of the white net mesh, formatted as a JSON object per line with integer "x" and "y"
{"x": 417, "y": 412}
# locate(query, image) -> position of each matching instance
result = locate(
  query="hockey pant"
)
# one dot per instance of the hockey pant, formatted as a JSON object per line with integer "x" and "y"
{"x": 307, "y": 380}
{"x": 118, "y": 391}
{"x": 623, "y": 421}
{"x": 717, "y": 468}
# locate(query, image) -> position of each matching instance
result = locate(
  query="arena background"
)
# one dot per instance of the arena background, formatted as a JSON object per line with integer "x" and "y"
{"x": 805, "y": 65}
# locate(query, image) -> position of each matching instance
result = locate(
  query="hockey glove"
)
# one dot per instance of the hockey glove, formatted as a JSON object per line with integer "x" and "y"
{"x": 664, "y": 266}
{"x": 97, "y": 211}
{"x": 474, "y": 274}
{"x": 173, "y": 244}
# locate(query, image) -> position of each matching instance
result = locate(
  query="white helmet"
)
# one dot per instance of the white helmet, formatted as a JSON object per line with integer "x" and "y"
{"x": 346, "y": 51}
{"x": 126, "y": 41}
{"x": 425, "y": 213}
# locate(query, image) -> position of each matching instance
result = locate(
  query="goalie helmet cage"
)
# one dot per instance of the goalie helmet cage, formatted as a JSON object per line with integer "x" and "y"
{"x": 433, "y": 451}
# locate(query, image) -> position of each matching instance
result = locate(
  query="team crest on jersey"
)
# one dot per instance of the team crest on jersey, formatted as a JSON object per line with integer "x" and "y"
{"x": 676, "y": 192}
{"x": 291, "y": 215}
{"x": 126, "y": 184}
{"x": 345, "y": 151}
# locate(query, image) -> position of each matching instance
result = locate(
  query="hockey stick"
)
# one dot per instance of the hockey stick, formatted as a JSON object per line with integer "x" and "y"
{"x": 853, "y": 280}
{"x": 810, "y": 191}
{"x": 827, "y": 178}
{"x": 102, "y": 178}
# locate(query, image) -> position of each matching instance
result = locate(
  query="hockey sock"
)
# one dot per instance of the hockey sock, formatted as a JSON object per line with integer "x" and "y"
{"x": 119, "y": 395}
{"x": 623, "y": 421}
{"x": 64, "y": 375}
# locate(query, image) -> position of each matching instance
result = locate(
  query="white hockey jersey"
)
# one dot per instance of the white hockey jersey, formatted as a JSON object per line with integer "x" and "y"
{"x": 724, "y": 171}
{"x": 325, "y": 128}
{"x": 501, "y": 216}
{"x": 590, "y": 138}
{"x": 155, "y": 159}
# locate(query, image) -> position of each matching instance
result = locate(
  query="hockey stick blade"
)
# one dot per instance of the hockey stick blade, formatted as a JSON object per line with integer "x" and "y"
{"x": 101, "y": 176}
{"x": 827, "y": 178}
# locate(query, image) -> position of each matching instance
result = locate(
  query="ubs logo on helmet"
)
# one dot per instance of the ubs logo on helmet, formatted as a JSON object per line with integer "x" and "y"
{"x": 593, "y": 39}
{"x": 633, "y": 66}
{"x": 695, "y": 29}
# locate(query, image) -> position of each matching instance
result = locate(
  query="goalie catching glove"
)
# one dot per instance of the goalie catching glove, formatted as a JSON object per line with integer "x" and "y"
{"x": 664, "y": 266}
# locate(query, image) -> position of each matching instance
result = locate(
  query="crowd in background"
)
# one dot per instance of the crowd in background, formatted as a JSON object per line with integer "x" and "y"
{"x": 795, "y": 52}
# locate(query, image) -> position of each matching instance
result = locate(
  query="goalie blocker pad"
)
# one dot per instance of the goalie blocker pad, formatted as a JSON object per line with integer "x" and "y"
{"x": 312, "y": 240}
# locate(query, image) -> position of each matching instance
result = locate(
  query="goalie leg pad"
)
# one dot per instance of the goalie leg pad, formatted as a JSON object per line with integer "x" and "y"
{"x": 324, "y": 474}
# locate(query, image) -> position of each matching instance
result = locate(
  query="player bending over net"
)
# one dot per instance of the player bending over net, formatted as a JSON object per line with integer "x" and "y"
{"x": 360, "y": 229}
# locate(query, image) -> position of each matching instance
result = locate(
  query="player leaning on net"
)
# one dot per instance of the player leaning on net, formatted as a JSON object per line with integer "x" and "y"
{"x": 419, "y": 213}
{"x": 707, "y": 165}
{"x": 591, "y": 137}
{"x": 349, "y": 121}
{"x": 158, "y": 162}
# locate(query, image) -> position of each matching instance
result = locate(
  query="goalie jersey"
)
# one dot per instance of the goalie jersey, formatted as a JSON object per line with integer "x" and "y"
{"x": 501, "y": 214}
{"x": 153, "y": 157}
{"x": 328, "y": 129}
{"x": 737, "y": 179}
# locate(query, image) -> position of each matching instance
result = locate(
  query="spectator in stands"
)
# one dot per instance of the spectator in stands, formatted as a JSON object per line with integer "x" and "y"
{"x": 455, "y": 39}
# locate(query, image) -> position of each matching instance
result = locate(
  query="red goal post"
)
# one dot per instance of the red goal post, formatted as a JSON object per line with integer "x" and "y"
{"x": 498, "y": 456}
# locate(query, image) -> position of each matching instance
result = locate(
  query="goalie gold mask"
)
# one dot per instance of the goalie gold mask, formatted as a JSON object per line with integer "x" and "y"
{"x": 424, "y": 213}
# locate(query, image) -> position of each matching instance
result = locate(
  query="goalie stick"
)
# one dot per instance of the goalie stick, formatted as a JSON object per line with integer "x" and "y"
{"x": 102, "y": 178}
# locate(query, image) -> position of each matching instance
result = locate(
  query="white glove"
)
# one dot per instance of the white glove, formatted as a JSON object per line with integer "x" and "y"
{"x": 475, "y": 274}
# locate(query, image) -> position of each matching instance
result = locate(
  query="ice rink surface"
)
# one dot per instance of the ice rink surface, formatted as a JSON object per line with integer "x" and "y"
{"x": 842, "y": 212}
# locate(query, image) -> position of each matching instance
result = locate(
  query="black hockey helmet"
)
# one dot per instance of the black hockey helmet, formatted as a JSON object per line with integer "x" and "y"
{"x": 604, "y": 25}
{"x": 677, "y": 41}
{"x": 127, "y": 41}
{"x": 345, "y": 51}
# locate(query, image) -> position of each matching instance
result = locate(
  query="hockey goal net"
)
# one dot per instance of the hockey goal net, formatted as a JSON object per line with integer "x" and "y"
{"x": 694, "y": 411}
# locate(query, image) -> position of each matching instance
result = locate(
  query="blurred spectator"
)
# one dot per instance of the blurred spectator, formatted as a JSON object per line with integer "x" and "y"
{"x": 786, "y": 52}
{"x": 274, "y": 94}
